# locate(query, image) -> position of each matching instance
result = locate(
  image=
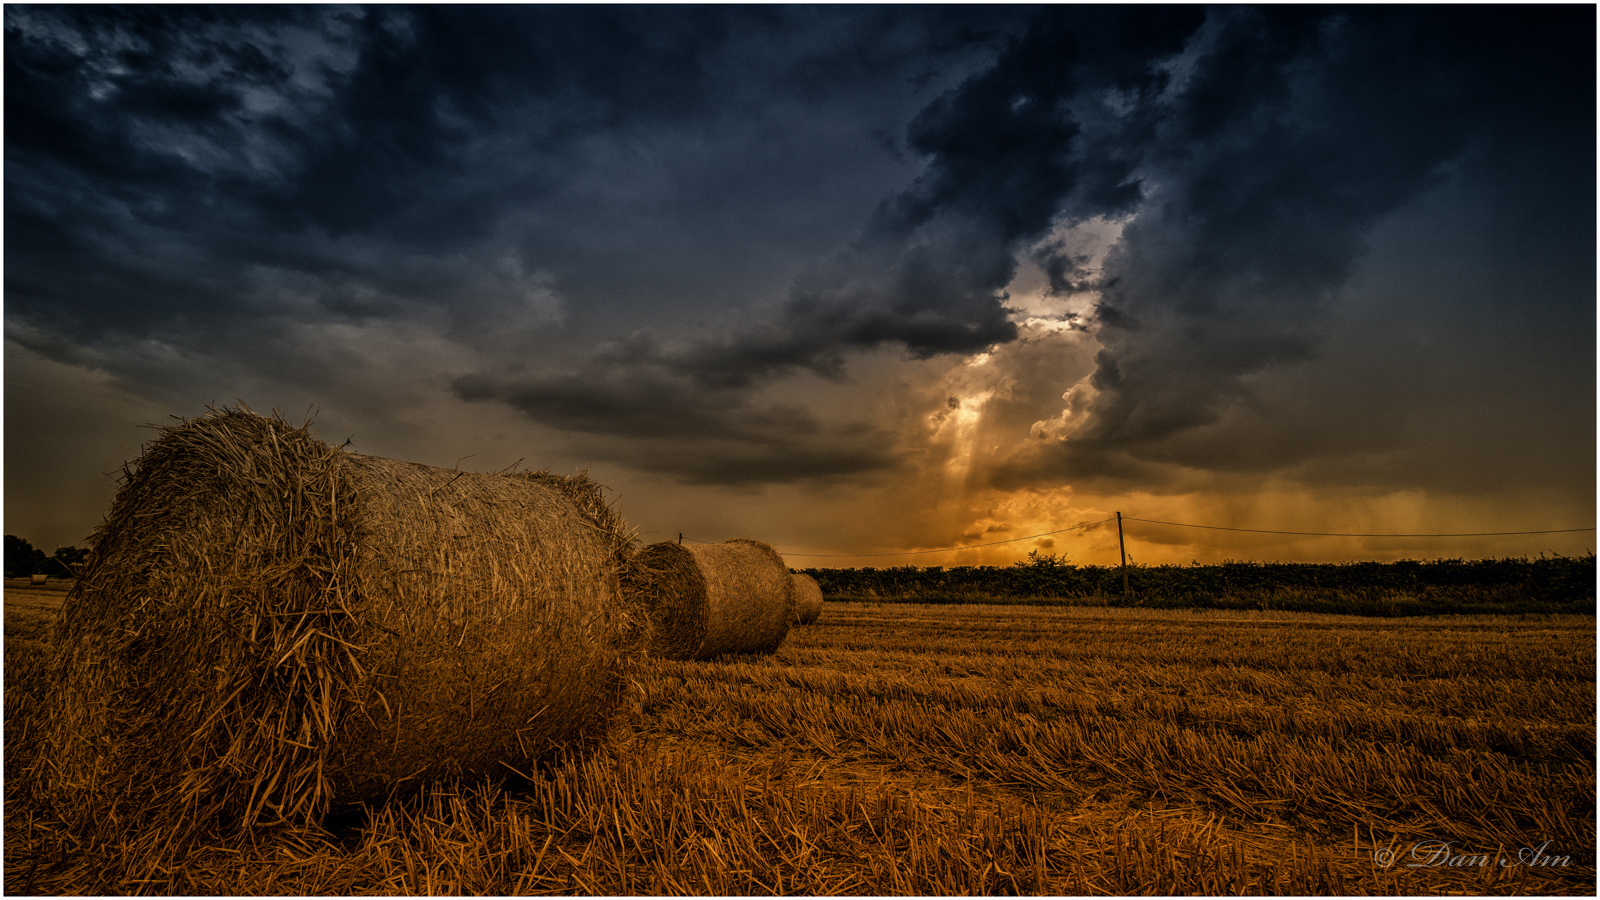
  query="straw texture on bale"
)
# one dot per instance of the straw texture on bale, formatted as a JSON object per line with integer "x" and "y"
{"x": 807, "y": 599}
{"x": 709, "y": 599}
{"x": 266, "y": 624}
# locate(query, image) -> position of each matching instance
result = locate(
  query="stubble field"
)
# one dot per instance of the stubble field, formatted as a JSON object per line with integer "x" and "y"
{"x": 909, "y": 749}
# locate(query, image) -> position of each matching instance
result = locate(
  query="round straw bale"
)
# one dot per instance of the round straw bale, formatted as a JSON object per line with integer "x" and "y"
{"x": 807, "y": 599}
{"x": 266, "y": 624}
{"x": 709, "y": 599}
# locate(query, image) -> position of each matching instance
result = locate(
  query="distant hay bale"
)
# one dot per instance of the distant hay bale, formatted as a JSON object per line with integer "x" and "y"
{"x": 709, "y": 599}
{"x": 807, "y": 599}
{"x": 267, "y": 624}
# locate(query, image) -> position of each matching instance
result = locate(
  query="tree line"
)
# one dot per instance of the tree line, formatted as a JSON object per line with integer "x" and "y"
{"x": 1548, "y": 584}
{"x": 23, "y": 559}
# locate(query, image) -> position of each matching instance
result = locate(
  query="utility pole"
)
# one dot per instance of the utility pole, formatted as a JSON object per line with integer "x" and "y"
{"x": 1124, "y": 550}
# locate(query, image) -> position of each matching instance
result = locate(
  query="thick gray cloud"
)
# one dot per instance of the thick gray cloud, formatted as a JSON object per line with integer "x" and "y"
{"x": 928, "y": 269}
{"x": 211, "y": 186}
{"x": 1284, "y": 140}
{"x": 666, "y": 423}
{"x": 642, "y": 229}
{"x": 1252, "y": 153}
{"x": 158, "y": 156}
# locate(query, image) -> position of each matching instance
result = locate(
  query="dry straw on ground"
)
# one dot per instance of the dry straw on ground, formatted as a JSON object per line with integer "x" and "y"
{"x": 268, "y": 624}
{"x": 807, "y": 599}
{"x": 710, "y": 599}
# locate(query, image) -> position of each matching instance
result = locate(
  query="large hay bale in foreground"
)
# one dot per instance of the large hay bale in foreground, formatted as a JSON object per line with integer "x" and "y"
{"x": 709, "y": 599}
{"x": 266, "y": 624}
{"x": 807, "y": 599}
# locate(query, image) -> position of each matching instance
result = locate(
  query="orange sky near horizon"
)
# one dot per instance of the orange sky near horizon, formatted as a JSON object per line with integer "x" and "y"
{"x": 937, "y": 500}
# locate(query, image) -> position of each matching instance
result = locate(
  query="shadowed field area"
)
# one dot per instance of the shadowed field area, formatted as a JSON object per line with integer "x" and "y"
{"x": 913, "y": 749}
{"x": 30, "y": 609}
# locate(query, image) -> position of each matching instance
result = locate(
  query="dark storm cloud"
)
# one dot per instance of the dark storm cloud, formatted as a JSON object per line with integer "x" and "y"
{"x": 158, "y": 157}
{"x": 207, "y": 186}
{"x": 190, "y": 176}
{"x": 1286, "y": 137}
{"x": 928, "y": 269}
{"x": 702, "y": 435}
{"x": 126, "y": 129}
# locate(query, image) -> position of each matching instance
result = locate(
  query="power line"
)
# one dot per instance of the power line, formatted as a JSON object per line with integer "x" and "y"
{"x": 1175, "y": 524}
{"x": 1348, "y": 534}
{"x": 949, "y": 549}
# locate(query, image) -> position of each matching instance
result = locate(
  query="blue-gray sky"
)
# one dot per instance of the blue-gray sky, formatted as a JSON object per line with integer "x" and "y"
{"x": 848, "y": 279}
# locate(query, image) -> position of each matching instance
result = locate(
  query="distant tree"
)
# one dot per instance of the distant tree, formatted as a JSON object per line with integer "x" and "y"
{"x": 1048, "y": 561}
{"x": 22, "y": 558}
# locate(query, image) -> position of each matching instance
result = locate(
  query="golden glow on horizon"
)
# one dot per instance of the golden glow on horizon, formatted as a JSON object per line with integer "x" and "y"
{"x": 1000, "y": 516}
